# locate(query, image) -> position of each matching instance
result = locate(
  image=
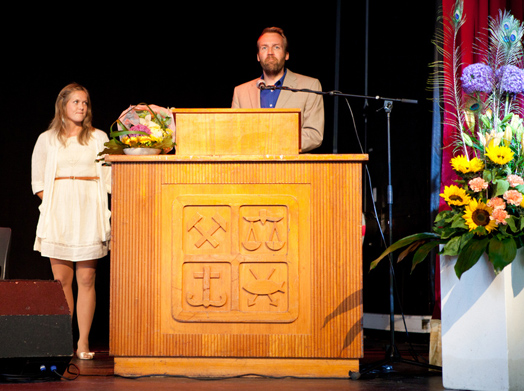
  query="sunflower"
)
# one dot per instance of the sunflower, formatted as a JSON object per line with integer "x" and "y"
{"x": 476, "y": 165}
{"x": 463, "y": 165}
{"x": 460, "y": 164}
{"x": 477, "y": 214}
{"x": 499, "y": 154}
{"x": 455, "y": 195}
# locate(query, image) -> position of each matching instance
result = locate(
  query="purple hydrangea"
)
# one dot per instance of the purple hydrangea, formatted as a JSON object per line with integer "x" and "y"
{"x": 511, "y": 79}
{"x": 477, "y": 78}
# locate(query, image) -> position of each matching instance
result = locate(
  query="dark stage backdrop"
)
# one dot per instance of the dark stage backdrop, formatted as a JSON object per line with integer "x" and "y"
{"x": 192, "y": 56}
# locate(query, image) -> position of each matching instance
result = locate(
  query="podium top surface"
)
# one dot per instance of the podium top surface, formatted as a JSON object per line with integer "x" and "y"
{"x": 170, "y": 158}
{"x": 231, "y": 111}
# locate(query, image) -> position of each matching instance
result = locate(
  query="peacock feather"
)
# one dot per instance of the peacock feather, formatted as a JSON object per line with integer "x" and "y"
{"x": 446, "y": 75}
{"x": 464, "y": 101}
{"x": 506, "y": 39}
{"x": 504, "y": 52}
{"x": 458, "y": 15}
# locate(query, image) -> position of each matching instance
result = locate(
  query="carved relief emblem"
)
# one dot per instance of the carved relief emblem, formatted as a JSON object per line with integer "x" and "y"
{"x": 206, "y": 235}
{"x": 264, "y": 287}
{"x": 206, "y": 275}
{"x": 273, "y": 242}
{"x": 234, "y": 263}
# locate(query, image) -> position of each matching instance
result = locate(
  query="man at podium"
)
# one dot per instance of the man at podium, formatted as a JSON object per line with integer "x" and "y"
{"x": 272, "y": 55}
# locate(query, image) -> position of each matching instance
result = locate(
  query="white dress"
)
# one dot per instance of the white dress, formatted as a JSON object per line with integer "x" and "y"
{"x": 72, "y": 233}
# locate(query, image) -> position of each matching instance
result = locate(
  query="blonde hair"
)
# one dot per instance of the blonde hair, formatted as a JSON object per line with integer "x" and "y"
{"x": 276, "y": 30}
{"x": 58, "y": 122}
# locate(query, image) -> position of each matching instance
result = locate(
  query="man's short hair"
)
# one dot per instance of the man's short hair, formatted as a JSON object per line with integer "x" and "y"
{"x": 276, "y": 30}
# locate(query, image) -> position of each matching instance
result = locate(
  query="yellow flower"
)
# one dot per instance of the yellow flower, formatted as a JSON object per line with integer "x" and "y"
{"x": 478, "y": 214}
{"x": 460, "y": 164}
{"x": 499, "y": 154}
{"x": 455, "y": 195}
{"x": 476, "y": 165}
{"x": 143, "y": 139}
{"x": 128, "y": 140}
{"x": 463, "y": 165}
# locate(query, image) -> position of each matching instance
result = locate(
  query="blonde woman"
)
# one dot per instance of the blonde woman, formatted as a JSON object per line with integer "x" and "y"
{"x": 73, "y": 229}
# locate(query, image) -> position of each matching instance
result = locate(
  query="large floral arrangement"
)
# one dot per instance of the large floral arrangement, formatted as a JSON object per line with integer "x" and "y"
{"x": 142, "y": 126}
{"x": 485, "y": 206}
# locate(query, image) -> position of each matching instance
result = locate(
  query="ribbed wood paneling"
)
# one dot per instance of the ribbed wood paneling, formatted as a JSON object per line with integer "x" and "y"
{"x": 335, "y": 245}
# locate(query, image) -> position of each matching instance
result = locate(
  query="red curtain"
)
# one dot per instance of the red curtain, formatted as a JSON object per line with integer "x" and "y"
{"x": 473, "y": 30}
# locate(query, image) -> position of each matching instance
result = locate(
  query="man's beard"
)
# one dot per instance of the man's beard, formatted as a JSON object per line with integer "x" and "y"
{"x": 272, "y": 66}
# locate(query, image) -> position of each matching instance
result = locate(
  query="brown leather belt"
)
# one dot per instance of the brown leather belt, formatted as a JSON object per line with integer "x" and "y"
{"x": 81, "y": 178}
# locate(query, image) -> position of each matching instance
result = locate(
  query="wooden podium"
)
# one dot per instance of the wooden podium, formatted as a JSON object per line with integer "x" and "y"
{"x": 232, "y": 264}
{"x": 237, "y": 132}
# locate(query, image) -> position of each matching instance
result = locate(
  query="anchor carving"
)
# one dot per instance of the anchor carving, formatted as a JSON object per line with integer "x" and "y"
{"x": 263, "y": 288}
{"x": 207, "y": 236}
{"x": 252, "y": 243}
{"x": 206, "y": 275}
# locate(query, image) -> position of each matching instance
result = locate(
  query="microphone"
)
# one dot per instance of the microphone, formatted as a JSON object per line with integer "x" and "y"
{"x": 261, "y": 84}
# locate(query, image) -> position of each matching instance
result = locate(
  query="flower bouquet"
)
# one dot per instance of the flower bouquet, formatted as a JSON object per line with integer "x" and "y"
{"x": 484, "y": 208}
{"x": 142, "y": 126}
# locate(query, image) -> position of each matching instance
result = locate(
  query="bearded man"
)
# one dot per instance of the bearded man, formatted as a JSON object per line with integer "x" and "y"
{"x": 272, "y": 55}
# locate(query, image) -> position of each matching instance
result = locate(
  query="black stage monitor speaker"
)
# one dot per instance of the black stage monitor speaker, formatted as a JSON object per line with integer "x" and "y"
{"x": 36, "y": 339}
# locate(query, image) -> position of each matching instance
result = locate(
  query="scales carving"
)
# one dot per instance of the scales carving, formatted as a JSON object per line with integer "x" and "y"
{"x": 273, "y": 242}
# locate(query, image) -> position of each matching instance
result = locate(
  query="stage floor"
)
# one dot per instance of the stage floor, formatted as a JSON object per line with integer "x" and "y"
{"x": 98, "y": 375}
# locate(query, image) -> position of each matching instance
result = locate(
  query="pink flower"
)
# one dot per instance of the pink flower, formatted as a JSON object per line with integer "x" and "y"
{"x": 513, "y": 197}
{"x": 497, "y": 203}
{"x": 478, "y": 184}
{"x": 500, "y": 216}
{"x": 515, "y": 180}
{"x": 140, "y": 128}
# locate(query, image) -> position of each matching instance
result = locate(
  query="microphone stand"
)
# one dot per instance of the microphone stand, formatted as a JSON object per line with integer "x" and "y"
{"x": 392, "y": 353}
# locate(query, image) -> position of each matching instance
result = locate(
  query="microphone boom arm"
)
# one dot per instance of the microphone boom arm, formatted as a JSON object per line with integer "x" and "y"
{"x": 338, "y": 93}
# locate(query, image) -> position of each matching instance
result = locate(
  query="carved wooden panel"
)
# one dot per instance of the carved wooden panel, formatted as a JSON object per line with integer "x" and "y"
{"x": 235, "y": 255}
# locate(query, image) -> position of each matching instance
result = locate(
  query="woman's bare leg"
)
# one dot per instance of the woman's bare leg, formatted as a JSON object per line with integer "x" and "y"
{"x": 86, "y": 301}
{"x": 64, "y": 272}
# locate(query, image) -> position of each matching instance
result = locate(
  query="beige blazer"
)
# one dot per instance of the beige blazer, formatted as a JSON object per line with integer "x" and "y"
{"x": 247, "y": 96}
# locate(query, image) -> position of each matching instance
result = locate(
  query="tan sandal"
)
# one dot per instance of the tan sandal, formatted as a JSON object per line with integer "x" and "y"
{"x": 85, "y": 355}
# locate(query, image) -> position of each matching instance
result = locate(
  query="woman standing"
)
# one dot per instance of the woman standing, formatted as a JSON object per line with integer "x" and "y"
{"x": 73, "y": 228}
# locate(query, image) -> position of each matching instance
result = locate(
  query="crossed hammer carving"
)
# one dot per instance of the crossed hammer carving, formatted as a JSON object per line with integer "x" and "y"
{"x": 207, "y": 236}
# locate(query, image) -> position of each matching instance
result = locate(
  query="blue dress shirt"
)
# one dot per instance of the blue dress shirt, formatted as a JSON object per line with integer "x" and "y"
{"x": 268, "y": 98}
